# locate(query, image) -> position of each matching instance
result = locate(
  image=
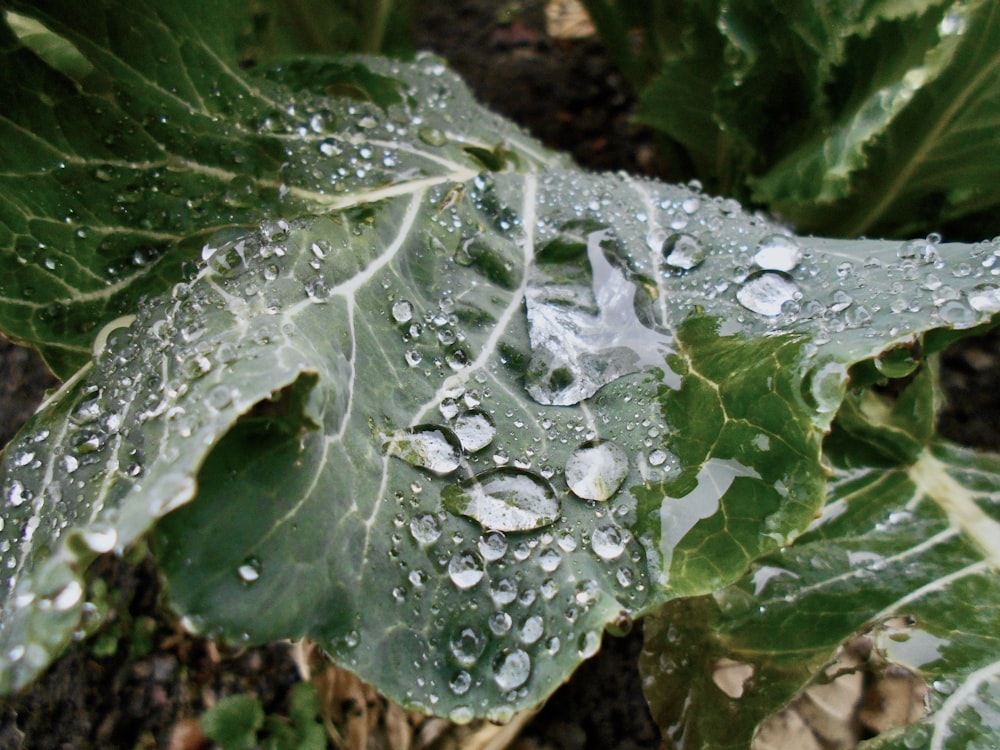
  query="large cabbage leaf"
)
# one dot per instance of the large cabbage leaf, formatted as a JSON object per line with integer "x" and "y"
{"x": 400, "y": 380}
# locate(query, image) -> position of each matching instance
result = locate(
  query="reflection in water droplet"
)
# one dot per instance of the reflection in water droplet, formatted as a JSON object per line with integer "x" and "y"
{"x": 684, "y": 251}
{"x": 608, "y": 542}
{"x": 475, "y": 429}
{"x": 985, "y": 298}
{"x": 500, "y": 623}
{"x": 766, "y": 292}
{"x": 465, "y": 569}
{"x": 460, "y": 683}
{"x": 505, "y": 499}
{"x": 596, "y": 469}
{"x": 776, "y": 252}
{"x": 511, "y": 669}
{"x": 430, "y": 447}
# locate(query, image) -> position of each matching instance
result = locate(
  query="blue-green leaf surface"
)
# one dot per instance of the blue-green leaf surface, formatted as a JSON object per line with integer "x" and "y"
{"x": 437, "y": 400}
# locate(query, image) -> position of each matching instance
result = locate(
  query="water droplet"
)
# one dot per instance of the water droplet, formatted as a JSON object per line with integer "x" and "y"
{"x": 493, "y": 545}
{"x": 500, "y": 623}
{"x": 511, "y": 669}
{"x": 922, "y": 251}
{"x": 228, "y": 260}
{"x": 425, "y": 529}
{"x": 465, "y": 569}
{"x": 766, "y": 292}
{"x": 985, "y": 298}
{"x": 684, "y": 251}
{"x": 429, "y": 447}
{"x": 100, "y": 539}
{"x": 249, "y": 571}
{"x": 505, "y": 499}
{"x": 596, "y": 469}
{"x": 588, "y": 644}
{"x": 402, "y": 311}
{"x": 467, "y": 645}
{"x": 531, "y": 630}
{"x": 549, "y": 560}
{"x": 776, "y": 252}
{"x": 219, "y": 397}
{"x": 432, "y": 136}
{"x": 460, "y": 683}
{"x": 657, "y": 457}
{"x": 608, "y": 542}
{"x": 475, "y": 429}
{"x": 503, "y": 591}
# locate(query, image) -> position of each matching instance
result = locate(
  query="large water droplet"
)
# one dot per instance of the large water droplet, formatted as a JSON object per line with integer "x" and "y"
{"x": 493, "y": 545}
{"x": 475, "y": 429}
{"x": 776, "y": 252}
{"x": 511, "y": 669}
{"x": 429, "y": 447}
{"x": 766, "y": 292}
{"x": 505, "y": 499}
{"x": 684, "y": 251}
{"x": 402, "y": 311}
{"x": 465, "y": 569}
{"x": 596, "y": 469}
{"x": 531, "y": 630}
{"x": 985, "y": 298}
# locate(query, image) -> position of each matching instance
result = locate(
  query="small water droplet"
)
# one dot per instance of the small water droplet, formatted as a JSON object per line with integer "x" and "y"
{"x": 467, "y": 645}
{"x": 465, "y": 569}
{"x": 460, "y": 683}
{"x": 511, "y": 669}
{"x": 503, "y": 591}
{"x": 765, "y": 292}
{"x": 608, "y": 542}
{"x": 776, "y": 252}
{"x": 402, "y": 311}
{"x": 500, "y": 623}
{"x": 505, "y": 499}
{"x": 549, "y": 560}
{"x": 531, "y": 630}
{"x": 249, "y": 571}
{"x": 684, "y": 251}
{"x": 429, "y": 447}
{"x": 425, "y": 529}
{"x": 493, "y": 545}
{"x": 432, "y": 136}
{"x": 596, "y": 469}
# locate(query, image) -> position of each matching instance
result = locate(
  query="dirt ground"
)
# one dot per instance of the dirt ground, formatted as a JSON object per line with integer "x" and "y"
{"x": 134, "y": 684}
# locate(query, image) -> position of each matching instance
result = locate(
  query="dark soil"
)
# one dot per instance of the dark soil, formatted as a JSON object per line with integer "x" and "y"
{"x": 130, "y": 685}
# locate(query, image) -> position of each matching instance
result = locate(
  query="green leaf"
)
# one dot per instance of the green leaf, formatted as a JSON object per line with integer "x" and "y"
{"x": 906, "y": 555}
{"x": 844, "y": 118}
{"x": 233, "y": 722}
{"x": 334, "y": 422}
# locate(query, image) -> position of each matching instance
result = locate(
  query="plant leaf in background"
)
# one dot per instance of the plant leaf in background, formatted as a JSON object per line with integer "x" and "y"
{"x": 840, "y": 118}
{"x": 904, "y": 554}
{"x": 425, "y": 393}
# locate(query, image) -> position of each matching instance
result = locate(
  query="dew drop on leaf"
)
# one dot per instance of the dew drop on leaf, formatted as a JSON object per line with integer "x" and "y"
{"x": 985, "y": 298}
{"x": 503, "y": 591}
{"x": 429, "y": 447}
{"x": 684, "y": 251}
{"x": 767, "y": 292}
{"x": 776, "y": 252}
{"x": 596, "y": 469}
{"x": 475, "y": 429}
{"x": 608, "y": 542}
{"x": 500, "y": 623}
{"x": 425, "y": 529}
{"x": 504, "y": 499}
{"x": 249, "y": 571}
{"x": 493, "y": 545}
{"x": 432, "y": 136}
{"x": 460, "y": 683}
{"x": 511, "y": 669}
{"x": 402, "y": 311}
{"x": 467, "y": 645}
{"x": 465, "y": 569}
{"x": 531, "y": 630}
